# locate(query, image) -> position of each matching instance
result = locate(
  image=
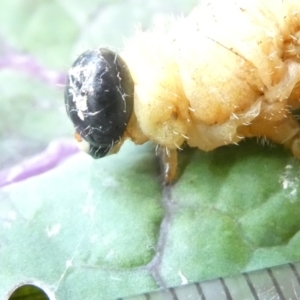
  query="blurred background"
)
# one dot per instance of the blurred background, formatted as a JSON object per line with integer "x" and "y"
{"x": 39, "y": 40}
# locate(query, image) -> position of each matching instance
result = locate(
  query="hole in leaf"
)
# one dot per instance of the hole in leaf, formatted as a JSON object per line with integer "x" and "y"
{"x": 28, "y": 292}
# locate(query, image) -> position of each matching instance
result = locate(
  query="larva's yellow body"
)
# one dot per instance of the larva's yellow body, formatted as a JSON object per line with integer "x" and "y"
{"x": 230, "y": 70}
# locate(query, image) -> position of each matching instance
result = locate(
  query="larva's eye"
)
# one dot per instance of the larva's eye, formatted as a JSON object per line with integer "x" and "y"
{"x": 99, "y": 99}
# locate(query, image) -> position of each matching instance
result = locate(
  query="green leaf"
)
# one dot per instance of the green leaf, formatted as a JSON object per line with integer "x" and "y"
{"x": 31, "y": 115}
{"x": 107, "y": 228}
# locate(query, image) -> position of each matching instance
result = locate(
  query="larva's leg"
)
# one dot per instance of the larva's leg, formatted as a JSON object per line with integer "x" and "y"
{"x": 169, "y": 164}
{"x": 294, "y": 145}
{"x": 285, "y": 131}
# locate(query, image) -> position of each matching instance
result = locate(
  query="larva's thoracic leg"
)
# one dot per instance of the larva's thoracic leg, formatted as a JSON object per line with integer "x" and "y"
{"x": 169, "y": 163}
{"x": 285, "y": 131}
{"x": 294, "y": 145}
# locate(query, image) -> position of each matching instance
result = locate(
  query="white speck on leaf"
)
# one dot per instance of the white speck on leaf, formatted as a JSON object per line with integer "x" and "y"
{"x": 69, "y": 263}
{"x": 53, "y": 230}
{"x": 290, "y": 180}
{"x": 115, "y": 278}
{"x": 183, "y": 278}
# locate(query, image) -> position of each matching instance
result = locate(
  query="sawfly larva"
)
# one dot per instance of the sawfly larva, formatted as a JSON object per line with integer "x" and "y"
{"x": 228, "y": 71}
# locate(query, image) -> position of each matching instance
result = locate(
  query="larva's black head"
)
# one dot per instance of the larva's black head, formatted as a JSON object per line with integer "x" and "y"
{"x": 99, "y": 99}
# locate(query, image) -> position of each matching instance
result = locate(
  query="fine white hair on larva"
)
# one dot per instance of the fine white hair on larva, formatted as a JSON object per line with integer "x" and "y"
{"x": 229, "y": 70}
{"x": 178, "y": 147}
{"x": 231, "y": 67}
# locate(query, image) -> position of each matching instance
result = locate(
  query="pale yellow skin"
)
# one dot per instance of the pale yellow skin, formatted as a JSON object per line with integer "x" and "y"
{"x": 229, "y": 70}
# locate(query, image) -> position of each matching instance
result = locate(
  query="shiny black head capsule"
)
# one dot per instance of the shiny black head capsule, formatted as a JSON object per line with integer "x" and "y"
{"x": 99, "y": 99}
